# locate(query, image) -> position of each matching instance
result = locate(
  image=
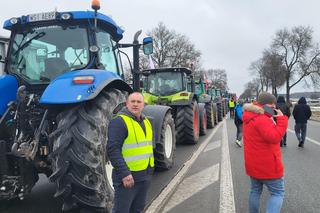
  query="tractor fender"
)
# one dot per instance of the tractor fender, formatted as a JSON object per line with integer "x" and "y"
{"x": 8, "y": 91}
{"x": 185, "y": 102}
{"x": 156, "y": 114}
{"x": 62, "y": 90}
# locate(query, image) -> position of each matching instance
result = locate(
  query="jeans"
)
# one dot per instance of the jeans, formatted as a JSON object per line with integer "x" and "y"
{"x": 301, "y": 131}
{"x": 276, "y": 190}
{"x": 130, "y": 200}
{"x": 239, "y": 132}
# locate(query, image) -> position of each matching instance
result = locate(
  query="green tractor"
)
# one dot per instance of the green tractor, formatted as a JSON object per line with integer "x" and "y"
{"x": 221, "y": 105}
{"x": 168, "y": 86}
{"x": 202, "y": 90}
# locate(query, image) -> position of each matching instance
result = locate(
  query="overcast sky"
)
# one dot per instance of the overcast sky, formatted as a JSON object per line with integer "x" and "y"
{"x": 229, "y": 33}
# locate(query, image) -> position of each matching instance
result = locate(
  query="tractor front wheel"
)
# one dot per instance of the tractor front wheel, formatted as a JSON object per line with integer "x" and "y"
{"x": 165, "y": 148}
{"x": 79, "y": 156}
{"x": 210, "y": 115}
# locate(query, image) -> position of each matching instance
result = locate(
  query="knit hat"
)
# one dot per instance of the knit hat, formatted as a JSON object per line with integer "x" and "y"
{"x": 266, "y": 98}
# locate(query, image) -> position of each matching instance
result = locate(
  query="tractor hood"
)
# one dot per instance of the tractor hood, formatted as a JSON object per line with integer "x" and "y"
{"x": 8, "y": 91}
{"x": 181, "y": 97}
{"x": 79, "y": 86}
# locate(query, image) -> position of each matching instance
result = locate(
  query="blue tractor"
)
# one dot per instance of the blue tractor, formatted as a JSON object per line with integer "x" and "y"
{"x": 63, "y": 82}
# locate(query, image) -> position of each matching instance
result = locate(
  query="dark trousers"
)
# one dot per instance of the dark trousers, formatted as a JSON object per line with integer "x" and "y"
{"x": 284, "y": 140}
{"x": 239, "y": 131}
{"x": 231, "y": 109}
{"x": 301, "y": 131}
{"x": 130, "y": 200}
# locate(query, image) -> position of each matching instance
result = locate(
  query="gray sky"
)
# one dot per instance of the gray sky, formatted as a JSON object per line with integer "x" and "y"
{"x": 230, "y": 33}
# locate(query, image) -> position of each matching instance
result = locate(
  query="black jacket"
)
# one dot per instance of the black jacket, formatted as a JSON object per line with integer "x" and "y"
{"x": 301, "y": 111}
{"x": 283, "y": 106}
{"x": 117, "y": 133}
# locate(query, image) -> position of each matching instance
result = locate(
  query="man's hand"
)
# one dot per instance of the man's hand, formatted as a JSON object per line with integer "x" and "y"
{"x": 279, "y": 113}
{"x": 128, "y": 181}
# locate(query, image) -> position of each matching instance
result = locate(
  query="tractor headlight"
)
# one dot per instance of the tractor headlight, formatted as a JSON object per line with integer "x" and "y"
{"x": 14, "y": 20}
{"x": 65, "y": 16}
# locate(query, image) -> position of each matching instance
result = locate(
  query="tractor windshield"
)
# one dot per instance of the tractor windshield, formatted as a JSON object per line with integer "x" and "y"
{"x": 165, "y": 83}
{"x": 40, "y": 54}
{"x": 198, "y": 88}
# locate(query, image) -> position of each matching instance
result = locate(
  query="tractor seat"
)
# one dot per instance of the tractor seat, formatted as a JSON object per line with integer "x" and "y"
{"x": 54, "y": 67}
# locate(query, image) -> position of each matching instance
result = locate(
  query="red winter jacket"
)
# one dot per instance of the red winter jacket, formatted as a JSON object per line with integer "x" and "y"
{"x": 262, "y": 154}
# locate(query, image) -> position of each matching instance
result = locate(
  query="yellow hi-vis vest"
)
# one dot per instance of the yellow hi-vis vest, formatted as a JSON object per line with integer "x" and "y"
{"x": 231, "y": 103}
{"x": 137, "y": 149}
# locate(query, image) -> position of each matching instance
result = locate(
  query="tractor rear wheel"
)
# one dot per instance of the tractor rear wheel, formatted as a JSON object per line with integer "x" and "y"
{"x": 187, "y": 123}
{"x": 220, "y": 112}
{"x": 210, "y": 115}
{"x": 79, "y": 156}
{"x": 203, "y": 119}
{"x": 165, "y": 148}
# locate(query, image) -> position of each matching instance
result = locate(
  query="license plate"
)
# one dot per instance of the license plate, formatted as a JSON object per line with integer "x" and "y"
{"x": 42, "y": 16}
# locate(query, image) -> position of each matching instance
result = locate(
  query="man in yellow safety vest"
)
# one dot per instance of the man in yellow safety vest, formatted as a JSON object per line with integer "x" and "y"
{"x": 130, "y": 151}
{"x": 231, "y": 107}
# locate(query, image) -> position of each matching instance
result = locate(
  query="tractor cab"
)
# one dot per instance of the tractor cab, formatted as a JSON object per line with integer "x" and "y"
{"x": 201, "y": 89}
{"x": 165, "y": 83}
{"x": 44, "y": 46}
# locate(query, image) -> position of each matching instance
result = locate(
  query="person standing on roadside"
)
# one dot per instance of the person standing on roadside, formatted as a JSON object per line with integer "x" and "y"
{"x": 130, "y": 151}
{"x": 285, "y": 109}
{"x": 262, "y": 154}
{"x": 238, "y": 121}
{"x": 231, "y": 107}
{"x": 301, "y": 113}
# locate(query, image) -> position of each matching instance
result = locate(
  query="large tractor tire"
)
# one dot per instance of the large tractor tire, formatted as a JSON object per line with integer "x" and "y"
{"x": 164, "y": 149}
{"x": 210, "y": 115}
{"x": 203, "y": 119}
{"x": 187, "y": 124}
{"x": 220, "y": 111}
{"x": 79, "y": 156}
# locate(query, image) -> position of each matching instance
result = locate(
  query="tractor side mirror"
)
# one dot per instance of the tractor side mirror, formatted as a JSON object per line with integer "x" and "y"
{"x": 147, "y": 45}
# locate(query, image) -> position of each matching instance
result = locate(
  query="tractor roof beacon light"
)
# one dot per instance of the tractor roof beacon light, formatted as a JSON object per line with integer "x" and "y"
{"x": 95, "y": 5}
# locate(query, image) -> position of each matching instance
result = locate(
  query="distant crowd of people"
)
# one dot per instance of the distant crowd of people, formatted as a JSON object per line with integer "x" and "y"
{"x": 263, "y": 125}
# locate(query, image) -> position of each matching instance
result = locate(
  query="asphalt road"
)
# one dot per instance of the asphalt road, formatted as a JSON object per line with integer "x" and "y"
{"x": 42, "y": 198}
{"x": 302, "y": 177}
{"x": 196, "y": 193}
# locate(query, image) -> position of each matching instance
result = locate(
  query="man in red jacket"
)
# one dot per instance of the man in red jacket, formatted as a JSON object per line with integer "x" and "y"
{"x": 262, "y": 154}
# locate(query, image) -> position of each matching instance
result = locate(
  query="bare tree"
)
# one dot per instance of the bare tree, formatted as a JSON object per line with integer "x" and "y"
{"x": 172, "y": 49}
{"x": 218, "y": 78}
{"x": 273, "y": 70}
{"x": 257, "y": 69}
{"x": 252, "y": 88}
{"x": 300, "y": 55}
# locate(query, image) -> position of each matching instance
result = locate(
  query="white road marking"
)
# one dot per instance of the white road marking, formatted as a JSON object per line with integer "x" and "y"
{"x": 212, "y": 145}
{"x": 309, "y": 139}
{"x": 192, "y": 185}
{"x": 227, "y": 204}
{"x": 157, "y": 204}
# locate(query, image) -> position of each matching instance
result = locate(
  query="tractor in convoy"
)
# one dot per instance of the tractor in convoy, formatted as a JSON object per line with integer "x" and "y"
{"x": 62, "y": 83}
{"x": 169, "y": 86}
{"x": 204, "y": 92}
{"x": 220, "y": 102}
